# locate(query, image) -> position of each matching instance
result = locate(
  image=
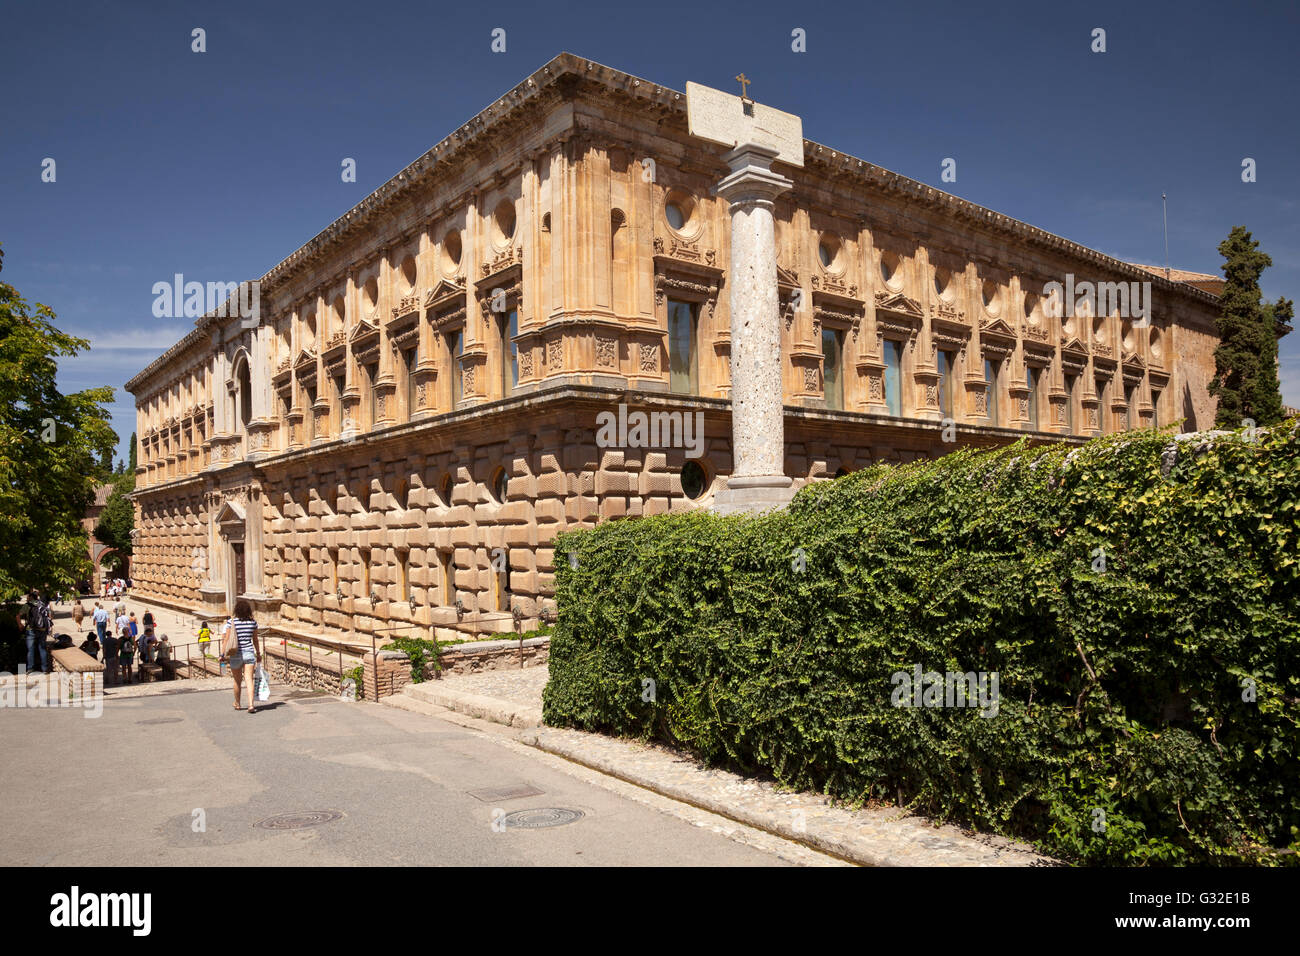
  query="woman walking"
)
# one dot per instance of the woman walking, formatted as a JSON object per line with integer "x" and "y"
{"x": 125, "y": 654}
{"x": 246, "y": 653}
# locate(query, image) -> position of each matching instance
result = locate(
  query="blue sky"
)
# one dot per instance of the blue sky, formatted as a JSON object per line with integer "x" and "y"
{"x": 218, "y": 165}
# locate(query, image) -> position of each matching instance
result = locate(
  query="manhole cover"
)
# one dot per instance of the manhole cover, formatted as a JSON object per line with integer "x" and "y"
{"x": 494, "y": 794}
{"x": 299, "y": 820}
{"x": 541, "y": 818}
{"x": 161, "y": 720}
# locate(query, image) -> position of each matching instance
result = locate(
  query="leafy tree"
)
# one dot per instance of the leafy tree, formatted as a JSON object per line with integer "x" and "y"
{"x": 49, "y": 446}
{"x": 1245, "y": 362}
{"x": 118, "y": 517}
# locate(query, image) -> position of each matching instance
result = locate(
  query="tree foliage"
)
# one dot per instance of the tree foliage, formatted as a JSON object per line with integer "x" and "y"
{"x": 1141, "y": 613}
{"x": 50, "y": 444}
{"x": 1245, "y": 361}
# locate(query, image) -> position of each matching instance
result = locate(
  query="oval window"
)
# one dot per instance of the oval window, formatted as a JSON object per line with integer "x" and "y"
{"x": 676, "y": 218}
{"x": 693, "y": 480}
{"x": 500, "y": 485}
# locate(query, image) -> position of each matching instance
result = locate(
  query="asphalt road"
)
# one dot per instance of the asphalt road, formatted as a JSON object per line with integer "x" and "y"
{"x": 132, "y": 787}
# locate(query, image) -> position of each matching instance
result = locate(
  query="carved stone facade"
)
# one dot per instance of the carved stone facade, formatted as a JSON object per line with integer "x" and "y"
{"x": 453, "y": 338}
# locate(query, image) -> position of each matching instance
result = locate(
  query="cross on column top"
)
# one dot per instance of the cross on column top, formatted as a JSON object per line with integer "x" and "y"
{"x": 744, "y": 82}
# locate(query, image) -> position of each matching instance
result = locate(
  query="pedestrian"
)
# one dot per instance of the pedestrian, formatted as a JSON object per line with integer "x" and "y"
{"x": 147, "y": 640}
{"x": 205, "y": 637}
{"x": 100, "y": 617}
{"x": 35, "y": 619}
{"x": 125, "y": 654}
{"x": 164, "y": 652}
{"x": 148, "y": 620}
{"x": 123, "y": 625}
{"x": 240, "y": 647}
{"x": 135, "y": 628}
{"x": 78, "y": 614}
{"x": 90, "y": 645}
{"x": 110, "y": 648}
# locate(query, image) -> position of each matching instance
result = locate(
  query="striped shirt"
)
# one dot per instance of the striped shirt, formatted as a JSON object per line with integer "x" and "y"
{"x": 244, "y": 631}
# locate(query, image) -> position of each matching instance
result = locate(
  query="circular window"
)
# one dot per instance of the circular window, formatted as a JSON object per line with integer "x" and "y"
{"x": 1099, "y": 330}
{"x": 444, "y": 490}
{"x": 500, "y": 485}
{"x": 889, "y": 269}
{"x": 678, "y": 209}
{"x": 504, "y": 220}
{"x": 828, "y": 252}
{"x": 371, "y": 293}
{"x": 408, "y": 272}
{"x": 451, "y": 252}
{"x": 1155, "y": 342}
{"x": 340, "y": 312}
{"x": 1033, "y": 312}
{"x": 990, "y": 294}
{"x": 943, "y": 283}
{"x": 693, "y": 480}
{"x": 1127, "y": 339}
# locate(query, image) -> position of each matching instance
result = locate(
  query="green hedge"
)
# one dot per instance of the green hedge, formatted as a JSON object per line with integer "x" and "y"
{"x": 1126, "y": 608}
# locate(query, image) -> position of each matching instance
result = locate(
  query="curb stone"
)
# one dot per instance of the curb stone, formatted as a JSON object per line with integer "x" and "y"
{"x": 869, "y": 837}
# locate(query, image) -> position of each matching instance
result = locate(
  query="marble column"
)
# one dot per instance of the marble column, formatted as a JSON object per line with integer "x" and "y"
{"x": 758, "y": 481}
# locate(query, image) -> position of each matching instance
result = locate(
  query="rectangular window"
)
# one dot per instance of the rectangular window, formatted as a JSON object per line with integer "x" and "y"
{"x": 404, "y": 576}
{"x": 893, "y": 376}
{"x": 1130, "y": 415}
{"x": 1031, "y": 381}
{"x": 1155, "y": 408}
{"x": 457, "y": 381}
{"x": 1103, "y": 413}
{"x": 1070, "y": 381}
{"x": 832, "y": 365}
{"x": 372, "y": 375}
{"x": 338, "y": 382}
{"x": 448, "y": 561}
{"x": 947, "y": 362}
{"x": 334, "y": 570}
{"x": 683, "y": 362}
{"x": 409, "y": 360}
{"x": 509, "y": 352}
{"x": 993, "y": 396}
{"x": 364, "y": 555}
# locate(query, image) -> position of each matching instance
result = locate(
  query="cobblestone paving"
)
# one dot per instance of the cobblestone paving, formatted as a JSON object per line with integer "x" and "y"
{"x": 518, "y": 685}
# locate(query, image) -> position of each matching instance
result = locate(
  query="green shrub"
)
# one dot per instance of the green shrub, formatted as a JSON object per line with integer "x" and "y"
{"x": 421, "y": 653}
{"x": 1127, "y": 613}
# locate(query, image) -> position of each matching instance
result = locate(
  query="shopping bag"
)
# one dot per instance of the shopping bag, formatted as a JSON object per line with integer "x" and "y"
{"x": 263, "y": 684}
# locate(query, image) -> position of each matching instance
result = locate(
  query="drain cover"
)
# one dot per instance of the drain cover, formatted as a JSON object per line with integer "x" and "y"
{"x": 161, "y": 720}
{"x": 299, "y": 819}
{"x": 495, "y": 794}
{"x": 541, "y": 818}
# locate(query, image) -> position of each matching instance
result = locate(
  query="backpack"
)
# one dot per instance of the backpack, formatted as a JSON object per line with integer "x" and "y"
{"x": 41, "y": 619}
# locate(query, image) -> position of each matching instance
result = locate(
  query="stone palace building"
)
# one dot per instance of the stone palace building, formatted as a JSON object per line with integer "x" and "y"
{"x": 397, "y": 442}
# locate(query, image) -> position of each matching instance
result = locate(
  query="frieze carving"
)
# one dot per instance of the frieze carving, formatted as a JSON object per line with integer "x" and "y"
{"x": 1038, "y": 334}
{"x": 931, "y": 395}
{"x": 810, "y": 379}
{"x": 665, "y": 283}
{"x": 829, "y": 283}
{"x": 606, "y": 351}
{"x": 981, "y": 402}
{"x": 526, "y": 363}
{"x": 407, "y": 303}
{"x": 503, "y": 260}
{"x": 1106, "y": 350}
{"x": 649, "y": 357}
{"x": 467, "y": 378}
{"x": 554, "y": 353}
{"x": 876, "y": 388}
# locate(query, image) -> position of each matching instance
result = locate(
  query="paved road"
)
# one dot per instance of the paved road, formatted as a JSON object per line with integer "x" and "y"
{"x": 124, "y": 788}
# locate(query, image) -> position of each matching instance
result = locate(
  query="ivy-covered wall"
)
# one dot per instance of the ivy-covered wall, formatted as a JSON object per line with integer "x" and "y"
{"x": 1126, "y": 621}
